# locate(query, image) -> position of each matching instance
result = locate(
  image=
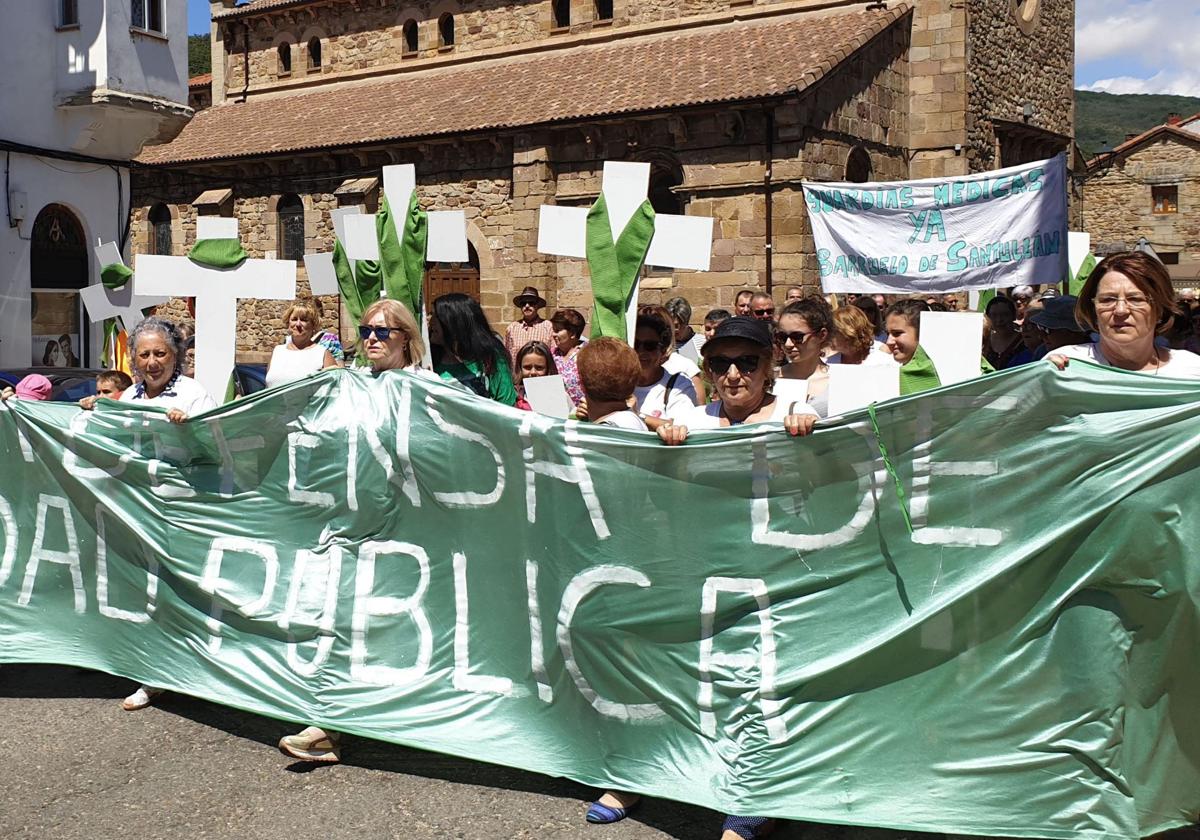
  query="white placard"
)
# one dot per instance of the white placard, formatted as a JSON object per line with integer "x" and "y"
{"x": 954, "y": 341}
{"x": 548, "y": 395}
{"x": 681, "y": 242}
{"x": 322, "y": 279}
{"x": 102, "y": 302}
{"x": 108, "y": 254}
{"x": 1079, "y": 245}
{"x": 562, "y": 231}
{"x": 447, "y": 236}
{"x": 361, "y": 242}
{"x": 338, "y": 219}
{"x": 216, "y": 227}
{"x": 990, "y": 230}
{"x": 852, "y": 387}
{"x": 789, "y": 391}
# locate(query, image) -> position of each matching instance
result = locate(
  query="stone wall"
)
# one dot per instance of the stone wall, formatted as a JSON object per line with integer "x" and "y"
{"x": 363, "y": 36}
{"x": 1024, "y": 57}
{"x": 1117, "y": 204}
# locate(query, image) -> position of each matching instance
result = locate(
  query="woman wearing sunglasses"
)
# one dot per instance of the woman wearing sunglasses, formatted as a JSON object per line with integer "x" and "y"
{"x": 738, "y": 358}
{"x": 804, "y": 328}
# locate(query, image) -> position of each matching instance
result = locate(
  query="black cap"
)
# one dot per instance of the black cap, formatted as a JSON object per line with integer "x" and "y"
{"x": 1057, "y": 313}
{"x": 741, "y": 327}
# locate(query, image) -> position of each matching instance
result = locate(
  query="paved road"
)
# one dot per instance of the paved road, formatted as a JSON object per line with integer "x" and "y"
{"x": 77, "y": 767}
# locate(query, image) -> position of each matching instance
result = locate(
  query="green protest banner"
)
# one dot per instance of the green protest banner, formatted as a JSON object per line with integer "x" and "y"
{"x": 746, "y": 622}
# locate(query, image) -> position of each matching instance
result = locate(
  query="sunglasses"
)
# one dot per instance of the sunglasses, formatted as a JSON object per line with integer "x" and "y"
{"x": 797, "y": 338}
{"x": 380, "y": 333}
{"x": 762, "y": 312}
{"x": 648, "y": 346}
{"x": 720, "y": 365}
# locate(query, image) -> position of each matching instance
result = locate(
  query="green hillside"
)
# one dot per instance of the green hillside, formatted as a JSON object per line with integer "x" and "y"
{"x": 199, "y": 55}
{"x": 1107, "y": 117}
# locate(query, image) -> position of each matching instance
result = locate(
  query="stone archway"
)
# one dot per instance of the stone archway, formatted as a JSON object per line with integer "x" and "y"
{"x": 58, "y": 268}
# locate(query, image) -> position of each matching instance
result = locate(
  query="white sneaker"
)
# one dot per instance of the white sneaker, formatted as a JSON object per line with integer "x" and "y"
{"x": 141, "y": 698}
{"x": 313, "y": 744}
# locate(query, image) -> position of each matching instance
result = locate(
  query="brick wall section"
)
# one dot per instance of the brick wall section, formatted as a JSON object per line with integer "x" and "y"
{"x": 1013, "y": 63}
{"x": 357, "y": 37}
{"x": 1117, "y": 205}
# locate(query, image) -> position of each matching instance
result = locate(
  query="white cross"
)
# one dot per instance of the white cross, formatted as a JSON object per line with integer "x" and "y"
{"x": 102, "y": 302}
{"x": 678, "y": 242}
{"x": 217, "y": 292}
{"x": 356, "y": 231}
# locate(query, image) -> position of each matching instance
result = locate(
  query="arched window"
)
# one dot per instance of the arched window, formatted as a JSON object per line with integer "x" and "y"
{"x": 290, "y": 211}
{"x": 662, "y": 199}
{"x": 446, "y": 30}
{"x": 604, "y": 9}
{"x": 160, "y": 230}
{"x": 562, "y": 13}
{"x": 411, "y": 44}
{"x": 285, "y": 59}
{"x": 314, "y": 53}
{"x": 58, "y": 268}
{"x": 858, "y": 166}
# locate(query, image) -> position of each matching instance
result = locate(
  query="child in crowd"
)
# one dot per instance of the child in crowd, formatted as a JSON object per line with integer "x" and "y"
{"x": 714, "y": 319}
{"x": 609, "y": 370}
{"x": 33, "y": 387}
{"x": 112, "y": 383}
{"x": 534, "y": 359}
{"x": 902, "y": 320}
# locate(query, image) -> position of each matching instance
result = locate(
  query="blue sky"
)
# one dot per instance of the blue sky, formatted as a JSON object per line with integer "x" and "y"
{"x": 1121, "y": 46}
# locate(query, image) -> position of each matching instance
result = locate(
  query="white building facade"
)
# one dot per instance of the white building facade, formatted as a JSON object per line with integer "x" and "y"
{"x": 84, "y": 85}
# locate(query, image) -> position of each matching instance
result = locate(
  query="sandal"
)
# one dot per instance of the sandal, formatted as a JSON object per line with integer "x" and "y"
{"x": 749, "y": 828}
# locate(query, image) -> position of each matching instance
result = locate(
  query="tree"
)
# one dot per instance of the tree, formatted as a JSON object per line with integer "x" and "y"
{"x": 199, "y": 55}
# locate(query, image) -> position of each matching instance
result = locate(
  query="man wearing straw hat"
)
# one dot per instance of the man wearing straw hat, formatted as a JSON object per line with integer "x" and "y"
{"x": 531, "y": 327}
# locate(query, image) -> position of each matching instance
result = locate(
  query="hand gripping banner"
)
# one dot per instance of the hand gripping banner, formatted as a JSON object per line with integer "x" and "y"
{"x": 746, "y": 622}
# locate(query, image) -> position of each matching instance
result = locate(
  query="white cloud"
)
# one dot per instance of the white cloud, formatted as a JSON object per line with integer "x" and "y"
{"x": 1149, "y": 43}
{"x": 1179, "y": 82}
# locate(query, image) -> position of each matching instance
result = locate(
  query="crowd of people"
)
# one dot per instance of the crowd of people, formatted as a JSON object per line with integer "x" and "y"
{"x": 672, "y": 378}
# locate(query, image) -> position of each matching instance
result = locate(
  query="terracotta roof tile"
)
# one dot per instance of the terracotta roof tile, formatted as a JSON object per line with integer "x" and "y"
{"x": 203, "y": 80}
{"x": 1134, "y": 142}
{"x": 255, "y": 6}
{"x": 725, "y": 63}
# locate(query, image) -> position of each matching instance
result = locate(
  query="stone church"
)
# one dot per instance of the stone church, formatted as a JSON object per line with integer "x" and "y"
{"x": 504, "y": 105}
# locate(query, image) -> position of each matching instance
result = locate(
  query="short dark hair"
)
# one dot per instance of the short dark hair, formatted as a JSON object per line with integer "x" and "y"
{"x": 608, "y": 369}
{"x": 718, "y": 315}
{"x": 909, "y": 309}
{"x": 118, "y": 378}
{"x": 658, "y": 319}
{"x": 1000, "y": 300}
{"x": 1147, "y": 273}
{"x": 569, "y": 320}
{"x": 815, "y": 311}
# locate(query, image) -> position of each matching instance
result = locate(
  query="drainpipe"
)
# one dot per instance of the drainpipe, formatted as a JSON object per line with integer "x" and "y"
{"x": 769, "y": 113}
{"x": 245, "y": 59}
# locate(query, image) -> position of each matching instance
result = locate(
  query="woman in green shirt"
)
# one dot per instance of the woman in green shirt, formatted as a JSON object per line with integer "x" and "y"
{"x": 467, "y": 350}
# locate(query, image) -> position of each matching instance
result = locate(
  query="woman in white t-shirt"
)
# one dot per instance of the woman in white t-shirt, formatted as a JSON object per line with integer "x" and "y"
{"x": 156, "y": 356}
{"x": 391, "y": 341}
{"x": 739, "y": 357}
{"x": 1128, "y": 300}
{"x": 302, "y": 355}
{"x": 660, "y": 394}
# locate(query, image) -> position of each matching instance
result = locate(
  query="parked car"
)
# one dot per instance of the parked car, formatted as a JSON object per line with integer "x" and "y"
{"x": 67, "y": 384}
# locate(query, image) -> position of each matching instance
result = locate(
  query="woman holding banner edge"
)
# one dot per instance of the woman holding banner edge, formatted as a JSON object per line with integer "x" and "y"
{"x": 1129, "y": 301}
{"x": 390, "y": 340}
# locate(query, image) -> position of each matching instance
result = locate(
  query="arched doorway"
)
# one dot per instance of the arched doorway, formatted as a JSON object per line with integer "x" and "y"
{"x": 58, "y": 269}
{"x": 444, "y": 278}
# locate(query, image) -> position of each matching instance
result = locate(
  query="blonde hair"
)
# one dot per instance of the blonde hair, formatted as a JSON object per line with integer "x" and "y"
{"x": 308, "y": 307}
{"x": 396, "y": 315}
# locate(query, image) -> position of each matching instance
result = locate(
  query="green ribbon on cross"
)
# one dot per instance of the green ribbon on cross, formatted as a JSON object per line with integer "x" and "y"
{"x": 218, "y": 253}
{"x": 115, "y": 275}
{"x": 614, "y": 266}
{"x": 399, "y": 273}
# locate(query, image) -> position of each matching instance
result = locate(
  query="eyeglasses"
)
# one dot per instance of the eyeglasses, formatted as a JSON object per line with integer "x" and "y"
{"x": 1133, "y": 302}
{"x": 648, "y": 346}
{"x": 380, "y": 333}
{"x": 720, "y": 365}
{"x": 797, "y": 338}
{"x": 762, "y": 312}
